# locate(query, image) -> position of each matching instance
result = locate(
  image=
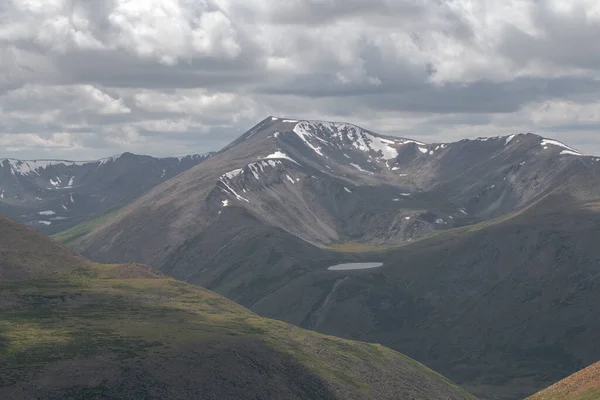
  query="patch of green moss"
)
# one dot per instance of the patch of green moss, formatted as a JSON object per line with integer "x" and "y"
{"x": 83, "y": 228}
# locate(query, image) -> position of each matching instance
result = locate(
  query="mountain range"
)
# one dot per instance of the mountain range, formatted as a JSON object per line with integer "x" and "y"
{"x": 53, "y": 195}
{"x": 331, "y": 183}
{"x": 488, "y": 245}
{"x": 72, "y": 329}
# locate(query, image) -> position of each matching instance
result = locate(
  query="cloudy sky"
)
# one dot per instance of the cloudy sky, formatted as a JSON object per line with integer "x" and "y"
{"x": 83, "y": 79}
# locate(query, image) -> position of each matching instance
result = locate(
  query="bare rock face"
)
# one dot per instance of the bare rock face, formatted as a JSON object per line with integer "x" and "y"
{"x": 53, "y": 195}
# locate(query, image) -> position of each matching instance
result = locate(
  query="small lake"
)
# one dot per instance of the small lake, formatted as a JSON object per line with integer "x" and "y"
{"x": 351, "y": 266}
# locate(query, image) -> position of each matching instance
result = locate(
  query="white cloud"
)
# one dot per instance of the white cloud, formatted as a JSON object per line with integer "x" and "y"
{"x": 32, "y": 99}
{"x": 171, "y": 30}
{"x": 62, "y": 141}
{"x": 164, "y": 75}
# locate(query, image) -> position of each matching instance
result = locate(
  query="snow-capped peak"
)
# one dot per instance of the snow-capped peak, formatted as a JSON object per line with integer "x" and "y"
{"x": 318, "y": 135}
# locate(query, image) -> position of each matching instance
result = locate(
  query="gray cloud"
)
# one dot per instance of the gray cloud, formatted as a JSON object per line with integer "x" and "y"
{"x": 90, "y": 78}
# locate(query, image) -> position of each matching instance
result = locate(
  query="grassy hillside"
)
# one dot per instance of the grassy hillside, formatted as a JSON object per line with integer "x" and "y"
{"x": 25, "y": 254}
{"x": 584, "y": 385}
{"x": 83, "y": 228}
{"x": 80, "y": 330}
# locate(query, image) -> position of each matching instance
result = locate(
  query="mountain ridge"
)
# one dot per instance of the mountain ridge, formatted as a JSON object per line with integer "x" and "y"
{"x": 46, "y": 162}
{"x": 54, "y": 195}
{"x": 274, "y": 161}
{"x": 508, "y": 138}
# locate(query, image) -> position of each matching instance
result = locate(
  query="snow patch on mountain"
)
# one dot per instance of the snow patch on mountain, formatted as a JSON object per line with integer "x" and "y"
{"x": 338, "y": 133}
{"x": 229, "y": 189}
{"x": 358, "y": 167}
{"x": 546, "y": 142}
{"x": 232, "y": 174}
{"x": 573, "y": 153}
{"x": 301, "y": 129}
{"x": 259, "y": 167}
{"x": 107, "y": 160}
{"x": 278, "y": 155}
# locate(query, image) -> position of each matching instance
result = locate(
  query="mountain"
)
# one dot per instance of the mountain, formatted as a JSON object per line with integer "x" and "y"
{"x": 584, "y": 385}
{"x": 328, "y": 183}
{"x": 78, "y": 330}
{"x": 504, "y": 308}
{"x": 488, "y": 245}
{"x": 53, "y": 195}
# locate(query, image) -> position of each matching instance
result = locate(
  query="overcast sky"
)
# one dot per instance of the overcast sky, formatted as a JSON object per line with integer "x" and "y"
{"x": 82, "y": 79}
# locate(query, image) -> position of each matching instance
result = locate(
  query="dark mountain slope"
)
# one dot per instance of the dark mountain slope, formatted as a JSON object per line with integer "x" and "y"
{"x": 80, "y": 330}
{"x": 251, "y": 259}
{"x": 53, "y": 195}
{"x": 504, "y": 308}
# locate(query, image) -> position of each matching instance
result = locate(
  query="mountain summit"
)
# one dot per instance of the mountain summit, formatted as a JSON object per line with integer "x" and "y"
{"x": 327, "y": 182}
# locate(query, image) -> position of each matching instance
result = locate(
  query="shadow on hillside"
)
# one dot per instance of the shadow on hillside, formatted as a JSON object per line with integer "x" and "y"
{"x": 176, "y": 354}
{"x": 509, "y": 306}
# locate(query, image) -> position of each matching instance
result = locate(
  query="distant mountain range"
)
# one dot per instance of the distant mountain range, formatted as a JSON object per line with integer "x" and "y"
{"x": 490, "y": 263}
{"x": 53, "y": 195}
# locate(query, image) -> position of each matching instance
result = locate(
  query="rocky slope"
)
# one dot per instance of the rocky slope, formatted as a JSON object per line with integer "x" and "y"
{"x": 77, "y": 330}
{"x": 53, "y": 195}
{"x": 333, "y": 182}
